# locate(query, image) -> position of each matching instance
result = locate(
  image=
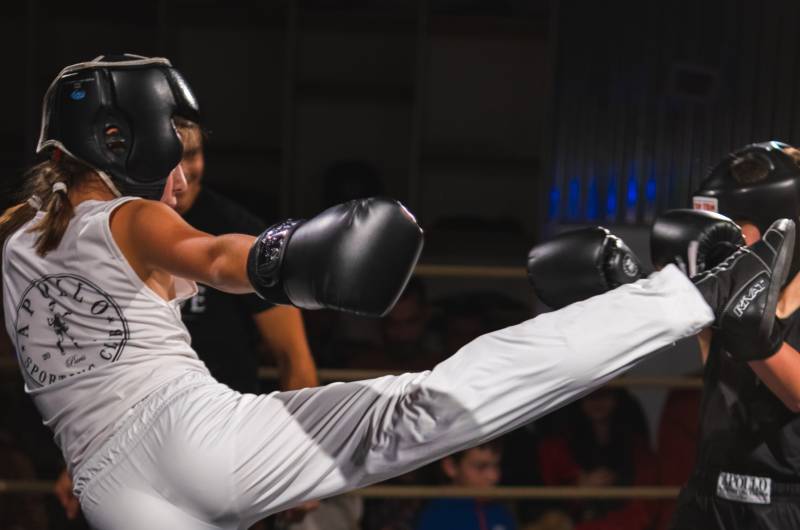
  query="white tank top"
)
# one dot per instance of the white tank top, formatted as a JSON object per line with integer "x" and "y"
{"x": 91, "y": 338}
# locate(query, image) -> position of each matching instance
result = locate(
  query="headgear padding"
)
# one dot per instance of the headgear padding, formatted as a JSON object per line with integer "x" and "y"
{"x": 114, "y": 113}
{"x": 758, "y": 183}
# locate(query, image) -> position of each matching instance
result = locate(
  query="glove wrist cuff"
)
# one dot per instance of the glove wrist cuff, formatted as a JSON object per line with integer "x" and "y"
{"x": 620, "y": 264}
{"x": 265, "y": 260}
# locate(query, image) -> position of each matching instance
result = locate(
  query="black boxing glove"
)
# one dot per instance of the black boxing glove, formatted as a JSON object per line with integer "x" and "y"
{"x": 580, "y": 264}
{"x": 355, "y": 257}
{"x": 694, "y": 240}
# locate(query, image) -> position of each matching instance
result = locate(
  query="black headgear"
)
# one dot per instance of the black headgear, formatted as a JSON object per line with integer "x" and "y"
{"x": 768, "y": 190}
{"x": 114, "y": 113}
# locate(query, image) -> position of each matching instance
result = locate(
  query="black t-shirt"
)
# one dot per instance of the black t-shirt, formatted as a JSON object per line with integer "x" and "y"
{"x": 221, "y": 324}
{"x": 744, "y": 427}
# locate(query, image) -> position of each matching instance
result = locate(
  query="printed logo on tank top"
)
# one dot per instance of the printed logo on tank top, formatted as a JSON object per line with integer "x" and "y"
{"x": 65, "y": 326}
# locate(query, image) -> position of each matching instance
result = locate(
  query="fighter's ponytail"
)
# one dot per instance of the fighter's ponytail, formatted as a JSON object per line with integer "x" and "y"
{"x": 46, "y": 186}
{"x": 13, "y": 218}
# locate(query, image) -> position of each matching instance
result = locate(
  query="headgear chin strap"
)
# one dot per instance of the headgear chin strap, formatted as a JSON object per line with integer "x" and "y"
{"x": 772, "y": 192}
{"x": 114, "y": 113}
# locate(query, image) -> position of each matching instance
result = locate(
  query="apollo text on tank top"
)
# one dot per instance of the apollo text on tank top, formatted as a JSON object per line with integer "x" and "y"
{"x": 91, "y": 338}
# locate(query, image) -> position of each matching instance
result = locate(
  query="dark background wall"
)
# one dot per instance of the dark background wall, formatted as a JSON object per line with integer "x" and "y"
{"x": 649, "y": 95}
{"x": 443, "y": 99}
{"x": 494, "y": 120}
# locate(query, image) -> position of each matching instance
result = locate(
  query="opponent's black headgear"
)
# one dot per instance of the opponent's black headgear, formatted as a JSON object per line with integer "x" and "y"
{"x": 758, "y": 183}
{"x": 114, "y": 113}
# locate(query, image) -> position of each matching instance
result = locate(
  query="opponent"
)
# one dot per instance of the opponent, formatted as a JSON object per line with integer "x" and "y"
{"x": 225, "y": 328}
{"x": 93, "y": 275}
{"x": 747, "y": 473}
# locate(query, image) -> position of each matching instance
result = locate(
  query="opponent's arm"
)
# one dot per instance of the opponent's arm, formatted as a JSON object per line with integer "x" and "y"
{"x": 695, "y": 241}
{"x": 714, "y": 237}
{"x": 781, "y": 373}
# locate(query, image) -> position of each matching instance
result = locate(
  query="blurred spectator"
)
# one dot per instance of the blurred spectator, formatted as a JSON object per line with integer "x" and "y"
{"x": 463, "y": 322}
{"x": 408, "y": 330}
{"x": 6, "y": 348}
{"x": 399, "y": 513}
{"x": 19, "y": 511}
{"x": 337, "y": 513}
{"x": 465, "y": 316}
{"x": 324, "y": 337}
{"x": 407, "y": 340}
{"x": 68, "y": 501}
{"x": 328, "y": 331}
{"x": 678, "y": 433}
{"x": 226, "y": 328}
{"x": 27, "y": 451}
{"x": 604, "y": 443}
{"x": 519, "y": 469}
{"x": 478, "y": 467}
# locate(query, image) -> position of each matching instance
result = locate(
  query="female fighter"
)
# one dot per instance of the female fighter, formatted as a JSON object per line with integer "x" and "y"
{"x": 94, "y": 268}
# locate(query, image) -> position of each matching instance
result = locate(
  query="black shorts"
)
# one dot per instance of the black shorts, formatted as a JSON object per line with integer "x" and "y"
{"x": 702, "y": 506}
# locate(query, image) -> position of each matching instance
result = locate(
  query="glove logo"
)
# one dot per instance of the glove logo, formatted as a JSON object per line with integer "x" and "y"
{"x": 78, "y": 92}
{"x": 630, "y": 267}
{"x": 65, "y": 326}
{"x": 752, "y": 293}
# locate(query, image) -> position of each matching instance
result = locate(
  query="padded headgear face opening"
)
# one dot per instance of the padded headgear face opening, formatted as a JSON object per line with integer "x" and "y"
{"x": 759, "y": 182}
{"x": 751, "y": 168}
{"x": 115, "y": 114}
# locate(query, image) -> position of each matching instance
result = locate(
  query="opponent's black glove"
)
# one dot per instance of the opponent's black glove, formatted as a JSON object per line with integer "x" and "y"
{"x": 580, "y": 264}
{"x": 694, "y": 240}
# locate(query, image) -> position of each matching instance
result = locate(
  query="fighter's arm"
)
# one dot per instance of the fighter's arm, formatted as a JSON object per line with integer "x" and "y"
{"x": 695, "y": 241}
{"x": 282, "y": 329}
{"x": 781, "y": 374}
{"x": 153, "y": 237}
{"x": 310, "y": 264}
{"x": 704, "y": 341}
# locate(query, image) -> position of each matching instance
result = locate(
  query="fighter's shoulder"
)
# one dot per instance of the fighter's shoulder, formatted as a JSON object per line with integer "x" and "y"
{"x": 143, "y": 214}
{"x": 145, "y": 230}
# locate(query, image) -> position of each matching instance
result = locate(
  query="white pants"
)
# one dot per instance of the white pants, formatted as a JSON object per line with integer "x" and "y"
{"x": 197, "y": 455}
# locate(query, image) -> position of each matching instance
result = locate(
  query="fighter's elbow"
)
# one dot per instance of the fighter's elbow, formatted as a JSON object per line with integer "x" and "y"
{"x": 225, "y": 273}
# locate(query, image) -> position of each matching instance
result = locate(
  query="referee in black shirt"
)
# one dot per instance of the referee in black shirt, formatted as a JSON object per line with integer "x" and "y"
{"x": 226, "y": 328}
